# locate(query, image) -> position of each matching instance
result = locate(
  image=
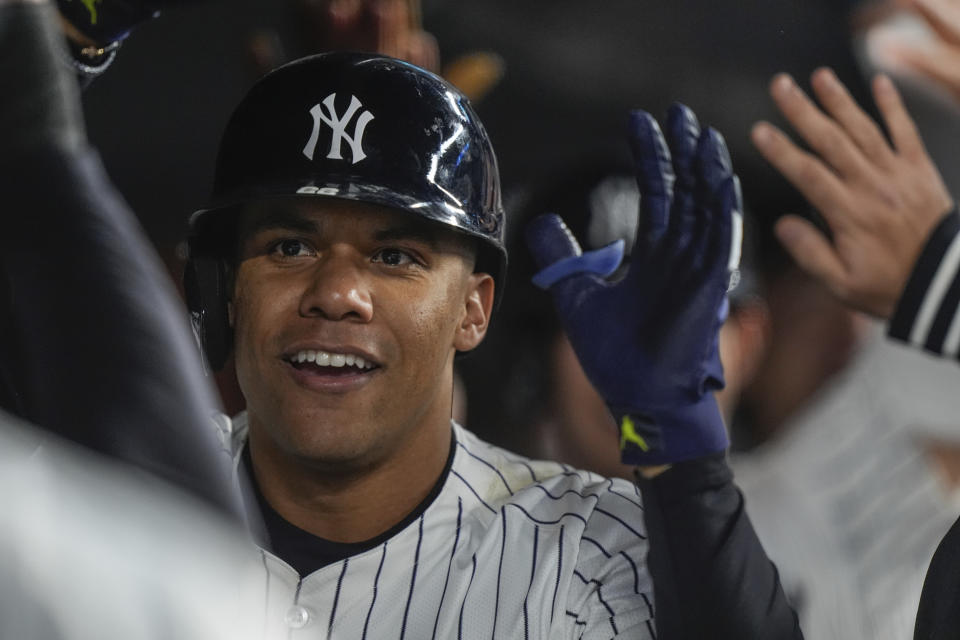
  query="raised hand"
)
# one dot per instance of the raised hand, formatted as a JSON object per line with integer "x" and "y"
{"x": 390, "y": 27}
{"x": 880, "y": 200}
{"x": 648, "y": 342}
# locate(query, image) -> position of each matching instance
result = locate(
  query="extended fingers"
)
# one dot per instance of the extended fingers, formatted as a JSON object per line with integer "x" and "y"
{"x": 715, "y": 175}
{"x": 804, "y": 171}
{"x": 703, "y": 233}
{"x": 683, "y": 135}
{"x": 725, "y": 223}
{"x": 939, "y": 62}
{"x": 343, "y": 13}
{"x": 720, "y": 237}
{"x": 820, "y": 131}
{"x": 812, "y": 251}
{"x": 903, "y": 131}
{"x": 550, "y": 240}
{"x": 943, "y": 16}
{"x": 655, "y": 175}
{"x": 855, "y": 122}
{"x": 732, "y": 201}
{"x": 392, "y": 18}
{"x": 713, "y": 161}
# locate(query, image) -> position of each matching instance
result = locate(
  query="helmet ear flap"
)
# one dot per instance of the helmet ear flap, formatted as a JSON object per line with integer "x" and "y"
{"x": 206, "y": 284}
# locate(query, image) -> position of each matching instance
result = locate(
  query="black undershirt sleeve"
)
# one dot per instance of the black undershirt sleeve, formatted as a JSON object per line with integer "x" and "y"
{"x": 712, "y": 578}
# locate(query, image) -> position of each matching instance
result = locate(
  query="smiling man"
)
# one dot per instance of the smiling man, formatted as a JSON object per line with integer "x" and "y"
{"x": 355, "y": 245}
{"x": 347, "y": 316}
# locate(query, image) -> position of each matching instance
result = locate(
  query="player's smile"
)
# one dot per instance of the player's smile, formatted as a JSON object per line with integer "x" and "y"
{"x": 331, "y": 369}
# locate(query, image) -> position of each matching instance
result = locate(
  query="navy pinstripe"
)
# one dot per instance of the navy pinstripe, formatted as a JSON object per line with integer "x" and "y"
{"x": 473, "y": 572}
{"x": 453, "y": 550}
{"x": 376, "y": 581}
{"x": 336, "y": 596}
{"x": 533, "y": 574}
{"x": 498, "y": 539}
{"x": 413, "y": 581}
{"x": 503, "y": 548}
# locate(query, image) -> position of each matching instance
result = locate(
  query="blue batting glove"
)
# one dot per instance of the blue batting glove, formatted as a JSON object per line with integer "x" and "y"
{"x": 649, "y": 342}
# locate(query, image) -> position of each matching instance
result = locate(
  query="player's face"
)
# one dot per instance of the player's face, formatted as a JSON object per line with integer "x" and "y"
{"x": 346, "y": 319}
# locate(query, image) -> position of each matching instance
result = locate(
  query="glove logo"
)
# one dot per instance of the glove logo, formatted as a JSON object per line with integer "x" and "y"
{"x": 338, "y": 125}
{"x": 628, "y": 434}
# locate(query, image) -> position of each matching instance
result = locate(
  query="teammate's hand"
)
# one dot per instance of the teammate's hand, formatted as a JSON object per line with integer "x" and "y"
{"x": 390, "y": 27}
{"x": 648, "y": 342}
{"x": 880, "y": 201}
{"x": 936, "y": 58}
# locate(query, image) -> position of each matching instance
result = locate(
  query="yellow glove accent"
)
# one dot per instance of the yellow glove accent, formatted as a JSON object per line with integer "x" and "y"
{"x": 628, "y": 433}
{"x": 91, "y": 6}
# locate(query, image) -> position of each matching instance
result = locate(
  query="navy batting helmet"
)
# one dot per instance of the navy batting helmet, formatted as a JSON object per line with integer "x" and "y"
{"x": 354, "y": 126}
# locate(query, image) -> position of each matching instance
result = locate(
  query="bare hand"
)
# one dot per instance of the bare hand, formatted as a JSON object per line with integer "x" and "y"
{"x": 938, "y": 58}
{"x": 390, "y": 27}
{"x": 880, "y": 201}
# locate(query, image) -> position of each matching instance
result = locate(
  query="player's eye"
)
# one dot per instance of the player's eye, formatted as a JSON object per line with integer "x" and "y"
{"x": 393, "y": 257}
{"x": 292, "y": 248}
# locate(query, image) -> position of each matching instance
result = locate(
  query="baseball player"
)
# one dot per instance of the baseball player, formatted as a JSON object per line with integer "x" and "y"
{"x": 894, "y": 248}
{"x": 108, "y": 539}
{"x": 893, "y": 253}
{"x": 353, "y": 246}
{"x": 93, "y": 346}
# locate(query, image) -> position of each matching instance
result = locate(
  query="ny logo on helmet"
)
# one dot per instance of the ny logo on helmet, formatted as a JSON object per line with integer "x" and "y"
{"x": 338, "y": 124}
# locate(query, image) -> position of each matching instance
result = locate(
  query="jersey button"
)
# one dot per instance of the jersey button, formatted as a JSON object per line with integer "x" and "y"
{"x": 297, "y": 617}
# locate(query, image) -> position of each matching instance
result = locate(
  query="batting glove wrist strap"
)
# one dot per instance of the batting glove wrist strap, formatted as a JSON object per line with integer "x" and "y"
{"x": 671, "y": 434}
{"x": 601, "y": 262}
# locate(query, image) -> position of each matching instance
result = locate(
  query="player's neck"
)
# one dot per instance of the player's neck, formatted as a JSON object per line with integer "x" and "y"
{"x": 352, "y": 505}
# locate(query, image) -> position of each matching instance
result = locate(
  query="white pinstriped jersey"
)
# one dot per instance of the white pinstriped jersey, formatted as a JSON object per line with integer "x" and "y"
{"x": 847, "y": 502}
{"x": 510, "y": 548}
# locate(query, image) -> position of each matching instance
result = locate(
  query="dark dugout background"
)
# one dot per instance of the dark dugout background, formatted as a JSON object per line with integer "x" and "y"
{"x": 572, "y": 71}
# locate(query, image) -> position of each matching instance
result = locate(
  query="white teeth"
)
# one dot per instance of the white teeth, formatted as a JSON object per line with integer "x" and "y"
{"x": 326, "y": 359}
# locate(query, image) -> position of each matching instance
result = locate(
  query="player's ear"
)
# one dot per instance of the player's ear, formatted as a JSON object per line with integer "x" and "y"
{"x": 478, "y": 305}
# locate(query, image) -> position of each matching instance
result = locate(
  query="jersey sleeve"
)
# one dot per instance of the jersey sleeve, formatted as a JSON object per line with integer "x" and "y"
{"x": 926, "y": 314}
{"x": 611, "y": 593}
{"x": 712, "y": 577}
